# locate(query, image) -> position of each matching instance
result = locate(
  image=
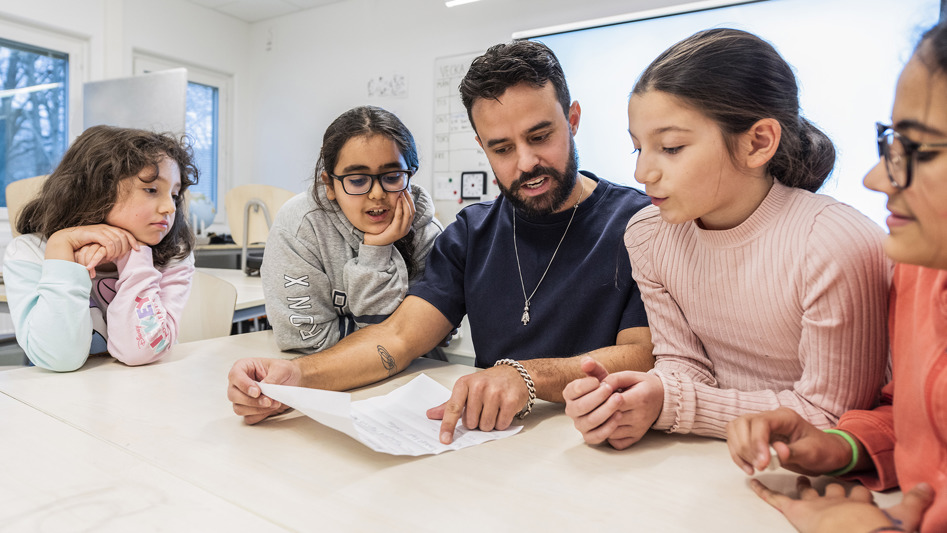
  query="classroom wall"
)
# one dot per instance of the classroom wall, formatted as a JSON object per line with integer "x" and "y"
{"x": 183, "y": 31}
{"x": 294, "y": 74}
{"x": 171, "y": 29}
{"x": 83, "y": 19}
{"x": 311, "y": 66}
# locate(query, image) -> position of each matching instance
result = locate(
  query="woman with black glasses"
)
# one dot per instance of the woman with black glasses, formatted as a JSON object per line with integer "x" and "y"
{"x": 904, "y": 441}
{"x": 341, "y": 255}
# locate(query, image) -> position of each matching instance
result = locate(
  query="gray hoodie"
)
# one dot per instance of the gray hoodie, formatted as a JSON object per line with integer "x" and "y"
{"x": 322, "y": 283}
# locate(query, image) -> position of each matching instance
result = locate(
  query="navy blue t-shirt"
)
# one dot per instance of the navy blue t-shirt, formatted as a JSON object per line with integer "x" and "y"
{"x": 587, "y": 297}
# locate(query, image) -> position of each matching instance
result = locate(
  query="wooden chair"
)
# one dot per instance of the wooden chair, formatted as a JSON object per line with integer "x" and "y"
{"x": 250, "y": 213}
{"x": 209, "y": 309}
{"x": 18, "y": 194}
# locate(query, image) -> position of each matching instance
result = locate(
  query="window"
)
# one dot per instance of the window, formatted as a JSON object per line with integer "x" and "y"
{"x": 201, "y": 126}
{"x": 34, "y": 111}
{"x": 206, "y": 123}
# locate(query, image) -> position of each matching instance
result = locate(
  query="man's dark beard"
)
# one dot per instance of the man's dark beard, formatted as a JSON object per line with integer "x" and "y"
{"x": 563, "y": 183}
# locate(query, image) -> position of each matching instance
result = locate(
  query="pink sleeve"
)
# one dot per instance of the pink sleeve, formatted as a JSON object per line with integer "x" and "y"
{"x": 143, "y": 317}
{"x": 684, "y": 362}
{"x": 842, "y": 350}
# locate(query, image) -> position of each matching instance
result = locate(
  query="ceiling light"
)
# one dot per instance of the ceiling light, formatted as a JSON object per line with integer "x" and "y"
{"x": 452, "y": 3}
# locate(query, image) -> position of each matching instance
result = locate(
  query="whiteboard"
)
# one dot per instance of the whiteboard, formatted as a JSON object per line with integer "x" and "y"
{"x": 455, "y": 147}
{"x": 846, "y": 53}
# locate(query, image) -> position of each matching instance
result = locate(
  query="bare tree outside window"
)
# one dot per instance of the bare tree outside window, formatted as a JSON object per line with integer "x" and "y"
{"x": 201, "y": 125}
{"x": 33, "y": 111}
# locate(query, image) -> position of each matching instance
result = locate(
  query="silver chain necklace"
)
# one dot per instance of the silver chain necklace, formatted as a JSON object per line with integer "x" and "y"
{"x": 525, "y": 318}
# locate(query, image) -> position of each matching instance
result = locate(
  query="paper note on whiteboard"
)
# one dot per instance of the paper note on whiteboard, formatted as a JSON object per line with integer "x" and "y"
{"x": 394, "y": 423}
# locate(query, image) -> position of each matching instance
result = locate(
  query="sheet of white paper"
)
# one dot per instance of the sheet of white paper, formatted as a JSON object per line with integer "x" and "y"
{"x": 394, "y": 423}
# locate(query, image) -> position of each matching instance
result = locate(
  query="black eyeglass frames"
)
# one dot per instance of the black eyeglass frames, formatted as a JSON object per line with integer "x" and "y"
{"x": 901, "y": 154}
{"x": 393, "y": 181}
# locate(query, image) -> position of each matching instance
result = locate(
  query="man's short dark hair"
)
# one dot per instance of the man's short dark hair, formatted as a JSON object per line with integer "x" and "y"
{"x": 509, "y": 64}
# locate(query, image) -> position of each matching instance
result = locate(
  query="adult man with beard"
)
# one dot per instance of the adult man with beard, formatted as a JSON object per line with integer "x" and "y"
{"x": 541, "y": 272}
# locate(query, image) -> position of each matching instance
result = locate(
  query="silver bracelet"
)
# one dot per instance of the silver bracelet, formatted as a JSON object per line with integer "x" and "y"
{"x": 529, "y": 385}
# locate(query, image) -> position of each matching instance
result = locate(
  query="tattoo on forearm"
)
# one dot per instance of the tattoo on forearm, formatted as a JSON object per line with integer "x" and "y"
{"x": 387, "y": 360}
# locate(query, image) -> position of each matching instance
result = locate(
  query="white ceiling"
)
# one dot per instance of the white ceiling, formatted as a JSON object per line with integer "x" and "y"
{"x": 257, "y": 10}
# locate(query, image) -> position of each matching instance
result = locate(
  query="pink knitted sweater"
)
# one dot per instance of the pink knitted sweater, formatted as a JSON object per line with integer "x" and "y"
{"x": 786, "y": 309}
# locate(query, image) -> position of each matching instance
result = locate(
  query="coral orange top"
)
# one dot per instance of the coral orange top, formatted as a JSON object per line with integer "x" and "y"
{"x": 907, "y": 436}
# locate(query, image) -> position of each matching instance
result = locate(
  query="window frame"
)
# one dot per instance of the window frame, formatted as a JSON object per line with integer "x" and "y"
{"x": 144, "y": 62}
{"x": 77, "y": 49}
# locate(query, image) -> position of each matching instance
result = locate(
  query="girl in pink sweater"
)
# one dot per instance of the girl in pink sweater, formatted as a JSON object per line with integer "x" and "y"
{"x": 104, "y": 261}
{"x": 759, "y": 293}
{"x": 903, "y": 441}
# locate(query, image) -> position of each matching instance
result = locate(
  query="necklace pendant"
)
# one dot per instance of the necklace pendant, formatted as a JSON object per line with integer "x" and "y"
{"x": 525, "y": 319}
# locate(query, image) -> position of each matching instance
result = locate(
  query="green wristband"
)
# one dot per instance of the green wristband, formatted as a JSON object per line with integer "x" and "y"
{"x": 851, "y": 442}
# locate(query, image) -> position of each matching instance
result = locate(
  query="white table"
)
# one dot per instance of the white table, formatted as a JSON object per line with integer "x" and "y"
{"x": 59, "y": 478}
{"x": 300, "y": 475}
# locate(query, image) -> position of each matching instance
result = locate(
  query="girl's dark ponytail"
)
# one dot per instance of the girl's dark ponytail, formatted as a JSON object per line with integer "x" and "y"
{"x": 805, "y": 157}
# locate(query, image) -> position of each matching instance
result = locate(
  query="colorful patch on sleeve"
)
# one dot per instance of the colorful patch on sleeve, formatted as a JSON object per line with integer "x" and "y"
{"x": 151, "y": 329}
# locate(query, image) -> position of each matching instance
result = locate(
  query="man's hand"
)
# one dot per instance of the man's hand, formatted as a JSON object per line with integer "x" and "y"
{"x": 242, "y": 389}
{"x": 487, "y": 400}
{"x": 835, "y": 511}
